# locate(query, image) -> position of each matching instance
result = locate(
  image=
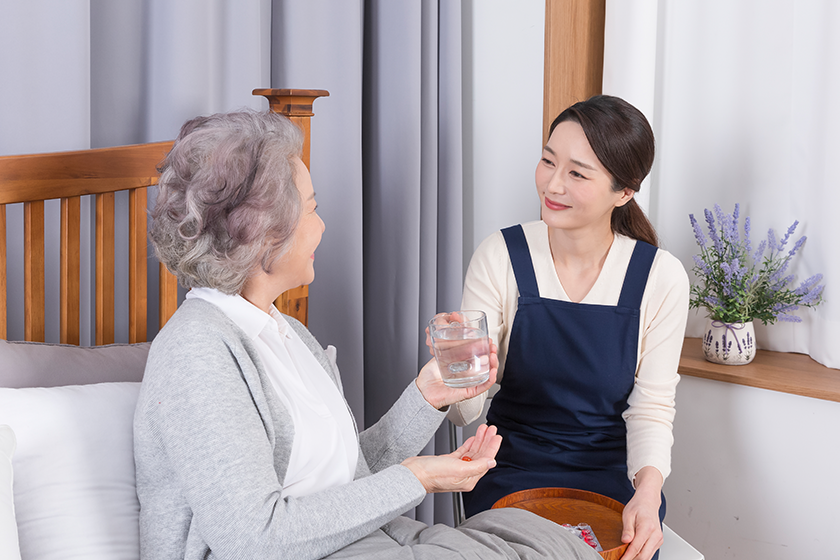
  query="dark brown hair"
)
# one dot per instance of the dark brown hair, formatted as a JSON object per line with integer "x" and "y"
{"x": 621, "y": 137}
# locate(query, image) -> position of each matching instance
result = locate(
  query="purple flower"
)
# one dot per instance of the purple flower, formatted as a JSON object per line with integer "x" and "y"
{"x": 760, "y": 250}
{"x": 797, "y": 245}
{"x": 812, "y": 297}
{"x": 747, "y": 234}
{"x": 710, "y": 219}
{"x": 701, "y": 264}
{"x": 771, "y": 240}
{"x": 808, "y": 291}
{"x": 732, "y": 227}
{"x": 719, "y": 214}
{"x": 790, "y": 231}
{"x": 698, "y": 232}
{"x": 727, "y": 278}
{"x": 739, "y": 284}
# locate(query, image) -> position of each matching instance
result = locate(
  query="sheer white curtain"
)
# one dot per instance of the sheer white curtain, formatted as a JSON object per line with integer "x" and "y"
{"x": 386, "y": 144}
{"x": 742, "y": 97}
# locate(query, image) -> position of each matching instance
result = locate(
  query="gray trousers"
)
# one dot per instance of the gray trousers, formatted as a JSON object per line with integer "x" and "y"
{"x": 496, "y": 534}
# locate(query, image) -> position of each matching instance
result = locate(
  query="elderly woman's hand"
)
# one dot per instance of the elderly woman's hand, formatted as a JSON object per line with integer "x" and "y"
{"x": 439, "y": 395}
{"x": 461, "y": 469}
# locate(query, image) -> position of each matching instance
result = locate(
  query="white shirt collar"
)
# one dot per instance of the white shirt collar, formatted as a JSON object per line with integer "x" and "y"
{"x": 245, "y": 314}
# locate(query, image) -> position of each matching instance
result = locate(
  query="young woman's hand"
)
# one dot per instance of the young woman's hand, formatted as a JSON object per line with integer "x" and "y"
{"x": 642, "y": 528}
{"x": 461, "y": 469}
{"x": 438, "y": 395}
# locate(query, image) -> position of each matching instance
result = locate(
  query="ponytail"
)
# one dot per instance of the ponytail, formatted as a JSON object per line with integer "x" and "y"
{"x": 630, "y": 220}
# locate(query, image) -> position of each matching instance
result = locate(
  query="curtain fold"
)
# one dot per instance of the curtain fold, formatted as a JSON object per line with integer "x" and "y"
{"x": 743, "y": 113}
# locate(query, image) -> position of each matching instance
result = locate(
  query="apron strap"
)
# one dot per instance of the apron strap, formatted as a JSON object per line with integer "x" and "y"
{"x": 520, "y": 259}
{"x": 637, "y": 275}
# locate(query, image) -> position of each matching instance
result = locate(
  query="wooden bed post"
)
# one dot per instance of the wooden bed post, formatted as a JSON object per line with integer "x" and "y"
{"x": 297, "y": 105}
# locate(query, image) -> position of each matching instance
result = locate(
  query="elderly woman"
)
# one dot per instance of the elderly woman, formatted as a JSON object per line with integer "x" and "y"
{"x": 244, "y": 444}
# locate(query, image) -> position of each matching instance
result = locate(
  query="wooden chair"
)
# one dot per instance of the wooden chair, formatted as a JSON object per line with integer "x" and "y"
{"x": 34, "y": 178}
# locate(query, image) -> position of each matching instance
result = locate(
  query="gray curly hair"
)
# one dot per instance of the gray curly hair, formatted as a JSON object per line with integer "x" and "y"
{"x": 227, "y": 199}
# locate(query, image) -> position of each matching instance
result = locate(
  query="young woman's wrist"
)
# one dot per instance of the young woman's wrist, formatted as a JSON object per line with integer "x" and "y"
{"x": 648, "y": 479}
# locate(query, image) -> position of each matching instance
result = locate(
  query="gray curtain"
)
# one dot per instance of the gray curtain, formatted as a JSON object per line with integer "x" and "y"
{"x": 386, "y": 145}
{"x": 412, "y": 192}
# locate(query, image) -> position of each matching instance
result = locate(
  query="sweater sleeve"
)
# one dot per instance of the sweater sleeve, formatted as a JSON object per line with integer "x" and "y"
{"x": 206, "y": 452}
{"x": 650, "y": 413}
{"x": 402, "y": 432}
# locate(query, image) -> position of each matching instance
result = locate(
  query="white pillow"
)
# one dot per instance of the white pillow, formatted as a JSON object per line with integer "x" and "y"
{"x": 9, "y": 549}
{"x": 74, "y": 484}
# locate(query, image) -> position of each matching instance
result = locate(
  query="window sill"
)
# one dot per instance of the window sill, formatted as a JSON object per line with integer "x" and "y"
{"x": 786, "y": 372}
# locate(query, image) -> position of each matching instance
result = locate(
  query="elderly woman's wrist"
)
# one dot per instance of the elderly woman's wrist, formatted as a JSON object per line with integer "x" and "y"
{"x": 431, "y": 402}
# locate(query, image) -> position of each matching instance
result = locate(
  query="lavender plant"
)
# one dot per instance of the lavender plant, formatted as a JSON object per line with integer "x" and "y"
{"x": 738, "y": 284}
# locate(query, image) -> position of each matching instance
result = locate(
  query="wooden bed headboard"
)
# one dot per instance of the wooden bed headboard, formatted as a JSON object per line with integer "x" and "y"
{"x": 34, "y": 178}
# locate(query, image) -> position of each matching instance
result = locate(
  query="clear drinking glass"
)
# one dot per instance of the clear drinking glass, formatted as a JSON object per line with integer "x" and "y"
{"x": 461, "y": 347}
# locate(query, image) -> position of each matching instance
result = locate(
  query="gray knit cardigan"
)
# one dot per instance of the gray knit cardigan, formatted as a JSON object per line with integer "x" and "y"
{"x": 212, "y": 444}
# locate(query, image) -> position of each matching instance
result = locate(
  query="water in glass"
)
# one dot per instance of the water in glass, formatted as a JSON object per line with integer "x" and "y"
{"x": 461, "y": 347}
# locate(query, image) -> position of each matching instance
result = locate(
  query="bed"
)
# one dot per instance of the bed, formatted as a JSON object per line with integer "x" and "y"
{"x": 66, "y": 411}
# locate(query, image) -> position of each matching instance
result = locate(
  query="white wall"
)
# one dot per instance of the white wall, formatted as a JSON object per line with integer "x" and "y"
{"x": 754, "y": 472}
{"x": 503, "y": 105}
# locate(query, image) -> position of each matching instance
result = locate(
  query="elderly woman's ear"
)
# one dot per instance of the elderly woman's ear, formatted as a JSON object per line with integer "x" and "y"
{"x": 295, "y": 265}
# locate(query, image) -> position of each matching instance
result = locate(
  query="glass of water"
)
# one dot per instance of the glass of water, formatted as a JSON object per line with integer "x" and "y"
{"x": 461, "y": 347}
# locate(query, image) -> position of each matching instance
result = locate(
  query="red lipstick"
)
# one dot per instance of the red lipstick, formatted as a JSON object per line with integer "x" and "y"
{"x": 554, "y": 205}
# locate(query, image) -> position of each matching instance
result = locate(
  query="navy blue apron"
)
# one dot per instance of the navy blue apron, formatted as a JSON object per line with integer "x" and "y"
{"x": 570, "y": 368}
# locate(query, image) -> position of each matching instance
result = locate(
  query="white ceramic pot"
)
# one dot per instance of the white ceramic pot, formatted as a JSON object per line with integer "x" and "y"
{"x": 729, "y": 343}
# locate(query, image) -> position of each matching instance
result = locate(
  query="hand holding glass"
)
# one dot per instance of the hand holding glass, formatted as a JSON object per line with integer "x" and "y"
{"x": 461, "y": 347}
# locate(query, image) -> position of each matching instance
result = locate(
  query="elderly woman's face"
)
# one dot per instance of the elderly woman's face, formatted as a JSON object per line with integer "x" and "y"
{"x": 298, "y": 264}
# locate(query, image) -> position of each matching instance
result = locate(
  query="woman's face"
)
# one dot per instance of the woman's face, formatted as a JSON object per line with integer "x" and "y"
{"x": 575, "y": 189}
{"x": 297, "y": 265}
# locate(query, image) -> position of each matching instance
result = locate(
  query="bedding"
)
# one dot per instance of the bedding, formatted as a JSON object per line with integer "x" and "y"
{"x": 38, "y": 364}
{"x": 74, "y": 493}
{"x": 9, "y": 547}
{"x": 74, "y": 471}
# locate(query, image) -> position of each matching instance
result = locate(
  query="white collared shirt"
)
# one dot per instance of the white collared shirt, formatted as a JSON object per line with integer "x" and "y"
{"x": 325, "y": 449}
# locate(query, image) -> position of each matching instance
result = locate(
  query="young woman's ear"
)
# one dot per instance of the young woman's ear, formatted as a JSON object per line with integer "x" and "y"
{"x": 626, "y": 196}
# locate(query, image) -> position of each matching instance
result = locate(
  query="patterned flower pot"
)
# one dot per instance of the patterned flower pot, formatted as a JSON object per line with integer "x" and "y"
{"x": 729, "y": 343}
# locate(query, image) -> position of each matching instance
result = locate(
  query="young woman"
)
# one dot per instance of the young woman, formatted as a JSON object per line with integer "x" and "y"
{"x": 590, "y": 318}
{"x": 244, "y": 444}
